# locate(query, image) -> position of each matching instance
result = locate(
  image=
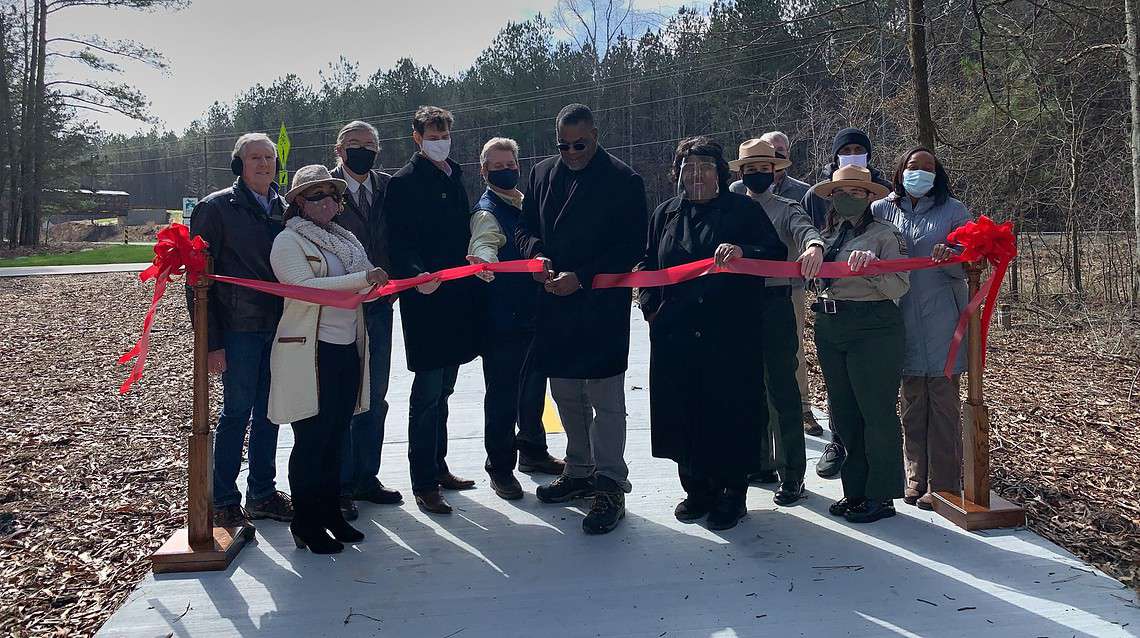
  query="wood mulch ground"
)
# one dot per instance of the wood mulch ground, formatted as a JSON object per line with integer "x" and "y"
{"x": 92, "y": 482}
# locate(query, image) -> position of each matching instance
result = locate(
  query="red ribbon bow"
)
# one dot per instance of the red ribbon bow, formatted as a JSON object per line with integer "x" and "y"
{"x": 996, "y": 244}
{"x": 174, "y": 254}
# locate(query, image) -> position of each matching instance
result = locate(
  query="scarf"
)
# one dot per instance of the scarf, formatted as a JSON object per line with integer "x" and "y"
{"x": 334, "y": 239}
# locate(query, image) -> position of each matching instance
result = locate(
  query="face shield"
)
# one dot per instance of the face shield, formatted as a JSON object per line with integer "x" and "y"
{"x": 697, "y": 180}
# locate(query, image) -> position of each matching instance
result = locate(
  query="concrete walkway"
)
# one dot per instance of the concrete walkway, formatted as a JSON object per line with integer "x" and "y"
{"x": 498, "y": 569}
{"x": 33, "y": 271}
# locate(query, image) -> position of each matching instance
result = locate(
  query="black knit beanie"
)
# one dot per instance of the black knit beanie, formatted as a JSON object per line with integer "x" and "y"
{"x": 849, "y": 136}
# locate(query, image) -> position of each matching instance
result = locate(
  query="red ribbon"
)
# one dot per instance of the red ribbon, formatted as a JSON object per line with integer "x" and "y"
{"x": 996, "y": 244}
{"x": 176, "y": 253}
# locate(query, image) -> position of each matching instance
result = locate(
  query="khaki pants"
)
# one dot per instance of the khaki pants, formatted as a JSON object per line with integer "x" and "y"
{"x": 932, "y": 434}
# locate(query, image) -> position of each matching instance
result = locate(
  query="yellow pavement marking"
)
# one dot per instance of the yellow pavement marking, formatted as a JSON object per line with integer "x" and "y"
{"x": 550, "y": 421}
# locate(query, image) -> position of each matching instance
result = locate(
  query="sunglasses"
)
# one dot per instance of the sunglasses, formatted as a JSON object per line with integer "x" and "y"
{"x": 577, "y": 146}
{"x": 318, "y": 197}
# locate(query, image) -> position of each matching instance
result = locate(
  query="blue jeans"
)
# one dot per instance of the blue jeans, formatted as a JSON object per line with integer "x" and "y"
{"x": 364, "y": 440}
{"x": 245, "y": 403}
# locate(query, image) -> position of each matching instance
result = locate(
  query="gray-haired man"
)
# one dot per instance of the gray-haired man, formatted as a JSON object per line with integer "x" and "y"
{"x": 240, "y": 223}
{"x": 357, "y": 147}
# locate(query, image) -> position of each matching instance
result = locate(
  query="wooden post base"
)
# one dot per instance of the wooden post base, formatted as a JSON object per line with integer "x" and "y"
{"x": 176, "y": 555}
{"x": 971, "y": 516}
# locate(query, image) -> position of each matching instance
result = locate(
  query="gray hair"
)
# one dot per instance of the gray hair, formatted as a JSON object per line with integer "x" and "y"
{"x": 251, "y": 138}
{"x": 498, "y": 144}
{"x": 772, "y": 136}
{"x": 357, "y": 125}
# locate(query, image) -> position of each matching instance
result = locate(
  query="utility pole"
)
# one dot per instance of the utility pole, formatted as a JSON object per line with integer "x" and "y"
{"x": 205, "y": 189}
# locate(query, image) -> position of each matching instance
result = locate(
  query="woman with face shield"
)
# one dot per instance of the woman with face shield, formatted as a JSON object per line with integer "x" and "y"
{"x": 319, "y": 400}
{"x": 859, "y": 340}
{"x": 708, "y": 411}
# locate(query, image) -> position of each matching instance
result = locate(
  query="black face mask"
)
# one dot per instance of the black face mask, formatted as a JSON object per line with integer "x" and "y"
{"x": 504, "y": 178}
{"x": 757, "y": 182}
{"x": 360, "y": 160}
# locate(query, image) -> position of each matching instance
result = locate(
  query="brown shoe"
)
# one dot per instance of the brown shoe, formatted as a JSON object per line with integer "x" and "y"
{"x": 926, "y": 502}
{"x": 911, "y": 498}
{"x": 449, "y": 481}
{"x": 539, "y": 465}
{"x": 811, "y": 426}
{"x": 432, "y": 502}
{"x": 231, "y": 516}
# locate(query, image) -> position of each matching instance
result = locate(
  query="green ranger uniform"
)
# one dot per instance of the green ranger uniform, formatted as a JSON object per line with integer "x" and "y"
{"x": 859, "y": 339}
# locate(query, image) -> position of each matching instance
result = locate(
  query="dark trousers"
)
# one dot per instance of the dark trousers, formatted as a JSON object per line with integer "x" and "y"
{"x": 245, "y": 405}
{"x": 365, "y": 438}
{"x": 427, "y": 426}
{"x": 314, "y": 463}
{"x": 701, "y": 487}
{"x": 531, "y": 439}
{"x": 503, "y": 404}
{"x": 786, "y": 451}
{"x": 861, "y": 353}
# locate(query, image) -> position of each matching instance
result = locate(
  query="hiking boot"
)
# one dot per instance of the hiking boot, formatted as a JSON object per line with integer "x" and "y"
{"x": 277, "y": 506}
{"x": 728, "y": 510}
{"x": 811, "y": 426}
{"x": 506, "y": 486}
{"x": 348, "y": 509}
{"x": 608, "y": 508}
{"x": 831, "y": 461}
{"x": 870, "y": 511}
{"x": 693, "y": 508}
{"x": 565, "y": 488}
{"x": 540, "y": 465}
{"x": 231, "y": 516}
{"x": 377, "y": 493}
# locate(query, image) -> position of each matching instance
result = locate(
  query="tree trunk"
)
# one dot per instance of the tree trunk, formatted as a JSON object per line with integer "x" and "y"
{"x": 1132, "y": 50}
{"x": 30, "y": 144}
{"x": 916, "y": 43}
{"x": 7, "y": 156}
{"x": 38, "y": 128}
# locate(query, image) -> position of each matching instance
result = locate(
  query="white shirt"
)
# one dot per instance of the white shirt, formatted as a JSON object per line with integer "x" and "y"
{"x": 337, "y": 325}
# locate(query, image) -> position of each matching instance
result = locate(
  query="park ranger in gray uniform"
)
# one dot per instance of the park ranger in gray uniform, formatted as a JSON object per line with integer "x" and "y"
{"x": 784, "y": 460}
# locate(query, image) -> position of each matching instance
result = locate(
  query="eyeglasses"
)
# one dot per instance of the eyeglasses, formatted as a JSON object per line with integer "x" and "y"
{"x": 318, "y": 197}
{"x": 565, "y": 146}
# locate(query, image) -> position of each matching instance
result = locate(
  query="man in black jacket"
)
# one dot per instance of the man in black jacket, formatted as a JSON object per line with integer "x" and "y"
{"x": 357, "y": 146}
{"x": 428, "y": 214}
{"x": 239, "y": 223}
{"x": 584, "y": 213}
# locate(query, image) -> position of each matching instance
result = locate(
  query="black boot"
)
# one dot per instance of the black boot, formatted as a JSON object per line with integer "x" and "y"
{"x": 728, "y": 510}
{"x": 870, "y": 511}
{"x": 308, "y": 533}
{"x": 608, "y": 508}
{"x": 844, "y": 505}
{"x": 333, "y": 521}
{"x": 694, "y": 507}
{"x": 790, "y": 491}
{"x": 565, "y": 488}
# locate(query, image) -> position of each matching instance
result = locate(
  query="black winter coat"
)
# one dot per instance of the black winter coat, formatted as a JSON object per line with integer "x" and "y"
{"x": 586, "y": 222}
{"x": 240, "y": 236}
{"x": 428, "y": 230}
{"x": 370, "y": 226}
{"x": 706, "y": 371}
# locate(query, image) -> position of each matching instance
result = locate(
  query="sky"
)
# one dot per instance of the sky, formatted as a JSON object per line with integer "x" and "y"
{"x": 218, "y": 48}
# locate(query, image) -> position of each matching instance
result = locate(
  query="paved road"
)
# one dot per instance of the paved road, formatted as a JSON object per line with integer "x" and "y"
{"x": 34, "y": 271}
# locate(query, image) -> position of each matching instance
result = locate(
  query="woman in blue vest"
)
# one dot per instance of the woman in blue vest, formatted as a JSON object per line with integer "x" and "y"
{"x": 511, "y": 306}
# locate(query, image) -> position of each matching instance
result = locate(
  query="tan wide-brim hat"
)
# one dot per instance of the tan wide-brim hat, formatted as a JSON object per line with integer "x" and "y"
{"x": 851, "y": 175}
{"x": 757, "y": 151}
{"x": 313, "y": 175}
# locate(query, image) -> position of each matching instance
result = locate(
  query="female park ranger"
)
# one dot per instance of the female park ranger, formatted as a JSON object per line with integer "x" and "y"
{"x": 859, "y": 339}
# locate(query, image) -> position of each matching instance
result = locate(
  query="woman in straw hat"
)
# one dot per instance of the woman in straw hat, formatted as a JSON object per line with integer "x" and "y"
{"x": 319, "y": 400}
{"x": 706, "y": 366}
{"x": 859, "y": 339}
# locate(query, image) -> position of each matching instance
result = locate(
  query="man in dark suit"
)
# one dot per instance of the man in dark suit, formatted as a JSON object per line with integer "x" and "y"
{"x": 357, "y": 146}
{"x": 428, "y": 220}
{"x": 584, "y": 213}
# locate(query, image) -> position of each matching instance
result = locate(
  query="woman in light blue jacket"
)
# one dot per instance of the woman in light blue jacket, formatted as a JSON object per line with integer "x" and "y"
{"x": 924, "y": 209}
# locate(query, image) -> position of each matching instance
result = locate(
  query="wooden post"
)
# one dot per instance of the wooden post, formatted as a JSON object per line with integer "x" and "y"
{"x": 975, "y": 506}
{"x": 200, "y": 546}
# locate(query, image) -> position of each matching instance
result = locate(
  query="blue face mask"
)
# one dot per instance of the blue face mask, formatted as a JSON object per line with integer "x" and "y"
{"x": 918, "y": 183}
{"x": 504, "y": 178}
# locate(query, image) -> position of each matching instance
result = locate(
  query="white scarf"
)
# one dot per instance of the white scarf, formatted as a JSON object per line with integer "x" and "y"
{"x": 336, "y": 240}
